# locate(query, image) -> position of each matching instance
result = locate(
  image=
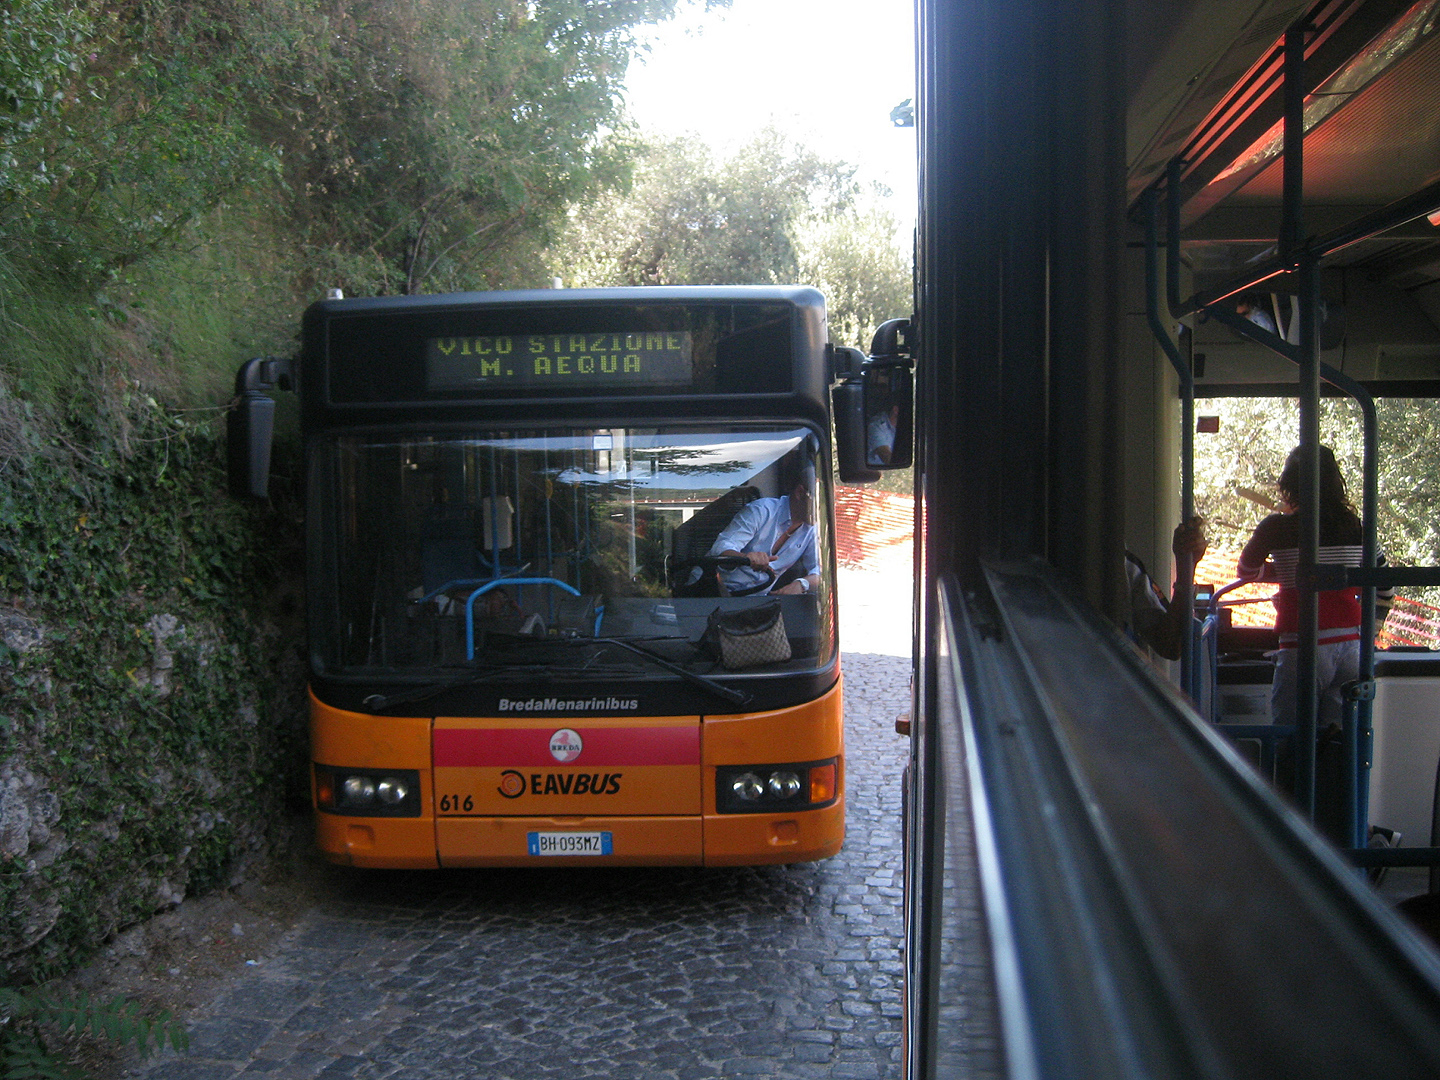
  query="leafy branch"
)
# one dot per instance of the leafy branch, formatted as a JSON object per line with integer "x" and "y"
{"x": 25, "y": 1014}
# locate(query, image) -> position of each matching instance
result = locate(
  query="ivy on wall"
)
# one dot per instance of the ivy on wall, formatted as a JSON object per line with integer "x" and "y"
{"x": 151, "y": 691}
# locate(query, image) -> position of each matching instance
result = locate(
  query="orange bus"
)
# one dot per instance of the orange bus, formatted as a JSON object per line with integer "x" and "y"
{"x": 571, "y": 580}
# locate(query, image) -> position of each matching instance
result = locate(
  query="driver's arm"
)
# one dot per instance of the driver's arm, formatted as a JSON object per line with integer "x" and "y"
{"x": 758, "y": 559}
{"x": 810, "y": 559}
{"x": 795, "y": 588}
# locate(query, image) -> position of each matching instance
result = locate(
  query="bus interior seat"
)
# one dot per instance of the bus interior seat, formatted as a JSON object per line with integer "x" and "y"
{"x": 696, "y": 536}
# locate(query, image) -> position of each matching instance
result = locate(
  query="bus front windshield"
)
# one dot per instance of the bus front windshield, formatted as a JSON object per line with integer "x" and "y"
{"x": 543, "y": 552}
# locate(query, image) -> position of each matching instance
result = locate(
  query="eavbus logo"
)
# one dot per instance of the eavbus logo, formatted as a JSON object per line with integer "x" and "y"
{"x": 513, "y": 784}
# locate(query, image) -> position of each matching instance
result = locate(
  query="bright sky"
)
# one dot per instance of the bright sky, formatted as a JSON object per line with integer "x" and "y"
{"x": 826, "y": 72}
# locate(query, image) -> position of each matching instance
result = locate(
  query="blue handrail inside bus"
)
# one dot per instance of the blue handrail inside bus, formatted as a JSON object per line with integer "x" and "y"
{"x": 454, "y": 584}
{"x": 496, "y": 583}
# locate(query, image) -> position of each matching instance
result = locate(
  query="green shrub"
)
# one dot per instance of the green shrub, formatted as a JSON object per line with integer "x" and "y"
{"x": 154, "y": 713}
{"x": 25, "y": 1015}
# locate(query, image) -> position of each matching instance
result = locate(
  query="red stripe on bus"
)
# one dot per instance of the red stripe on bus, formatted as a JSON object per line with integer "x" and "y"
{"x": 530, "y": 747}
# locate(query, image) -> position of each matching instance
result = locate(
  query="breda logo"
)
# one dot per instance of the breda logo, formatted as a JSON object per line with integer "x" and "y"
{"x": 565, "y": 745}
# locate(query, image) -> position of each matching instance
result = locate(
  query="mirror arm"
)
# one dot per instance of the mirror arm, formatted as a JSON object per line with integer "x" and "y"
{"x": 893, "y": 339}
{"x": 265, "y": 373}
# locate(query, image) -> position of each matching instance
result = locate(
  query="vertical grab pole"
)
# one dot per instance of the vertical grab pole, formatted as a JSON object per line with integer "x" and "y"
{"x": 1304, "y": 262}
{"x": 549, "y": 490}
{"x": 577, "y": 468}
{"x": 1359, "y": 702}
{"x": 1293, "y": 164}
{"x": 1359, "y": 706}
{"x": 1172, "y": 228}
{"x": 519, "y": 552}
{"x": 1187, "y": 381}
{"x": 627, "y": 463}
{"x": 494, "y": 516}
{"x": 1185, "y": 568}
{"x": 1306, "y": 695}
{"x": 515, "y": 527}
{"x": 1370, "y": 557}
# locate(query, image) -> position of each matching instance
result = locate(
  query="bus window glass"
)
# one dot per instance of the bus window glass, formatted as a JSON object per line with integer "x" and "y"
{"x": 1238, "y": 463}
{"x": 516, "y": 549}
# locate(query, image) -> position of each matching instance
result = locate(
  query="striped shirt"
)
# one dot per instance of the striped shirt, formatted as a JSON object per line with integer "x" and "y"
{"x": 1278, "y": 539}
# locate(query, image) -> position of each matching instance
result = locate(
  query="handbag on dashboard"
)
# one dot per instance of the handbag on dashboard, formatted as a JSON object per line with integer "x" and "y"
{"x": 749, "y": 637}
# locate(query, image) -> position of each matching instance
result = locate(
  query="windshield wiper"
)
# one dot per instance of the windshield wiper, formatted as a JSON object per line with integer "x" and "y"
{"x": 719, "y": 689}
{"x": 379, "y": 702}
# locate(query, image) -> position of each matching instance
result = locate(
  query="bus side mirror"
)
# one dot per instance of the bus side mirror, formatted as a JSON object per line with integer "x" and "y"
{"x": 875, "y": 406}
{"x": 250, "y": 425}
{"x": 249, "y": 429}
{"x": 890, "y": 413}
{"x": 889, "y": 383}
{"x": 850, "y": 450}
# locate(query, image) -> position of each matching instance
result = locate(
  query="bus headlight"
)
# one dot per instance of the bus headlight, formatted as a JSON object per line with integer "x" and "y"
{"x": 754, "y": 789}
{"x": 783, "y": 784}
{"x": 747, "y": 787}
{"x": 367, "y": 792}
{"x": 391, "y": 791}
{"x": 357, "y": 791}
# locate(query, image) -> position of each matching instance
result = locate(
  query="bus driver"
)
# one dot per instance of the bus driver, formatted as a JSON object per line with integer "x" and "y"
{"x": 776, "y": 537}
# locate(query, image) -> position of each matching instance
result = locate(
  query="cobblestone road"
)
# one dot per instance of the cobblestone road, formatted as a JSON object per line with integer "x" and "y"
{"x": 766, "y": 972}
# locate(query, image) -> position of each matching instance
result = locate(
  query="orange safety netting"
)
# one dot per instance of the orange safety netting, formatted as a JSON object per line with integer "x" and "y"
{"x": 1250, "y": 604}
{"x": 873, "y": 529}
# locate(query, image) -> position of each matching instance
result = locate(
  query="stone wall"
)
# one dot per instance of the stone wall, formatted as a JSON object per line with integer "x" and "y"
{"x": 151, "y": 683}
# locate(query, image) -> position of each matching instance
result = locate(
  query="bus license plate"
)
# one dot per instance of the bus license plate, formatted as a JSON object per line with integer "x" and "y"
{"x": 569, "y": 843}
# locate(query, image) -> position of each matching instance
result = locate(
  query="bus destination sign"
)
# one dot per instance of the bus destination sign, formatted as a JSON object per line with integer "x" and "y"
{"x": 533, "y": 361}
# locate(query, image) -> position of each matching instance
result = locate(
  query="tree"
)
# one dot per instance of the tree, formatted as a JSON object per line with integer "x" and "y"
{"x": 853, "y": 258}
{"x": 773, "y": 213}
{"x": 147, "y": 128}
{"x": 411, "y": 146}
{"x": 41, "y": 48}
{"x": 690, "y": 219}
{"x": 450, "y": 128}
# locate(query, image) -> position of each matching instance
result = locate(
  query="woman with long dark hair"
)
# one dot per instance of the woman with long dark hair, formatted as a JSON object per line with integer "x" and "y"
{"x": 1277, "y": 539}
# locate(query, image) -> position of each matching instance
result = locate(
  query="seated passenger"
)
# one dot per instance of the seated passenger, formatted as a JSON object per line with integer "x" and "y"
{"x": 776, "y": 537}
{"x": 1155, "y": 622}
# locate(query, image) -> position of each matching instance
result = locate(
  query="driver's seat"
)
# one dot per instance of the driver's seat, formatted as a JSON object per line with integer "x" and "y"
{"x": 695, "y": 538}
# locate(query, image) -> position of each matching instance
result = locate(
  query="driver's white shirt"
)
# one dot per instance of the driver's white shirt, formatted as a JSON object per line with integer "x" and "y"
{"x": 881, "y": 433}
{"x": 756, "y": 528}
